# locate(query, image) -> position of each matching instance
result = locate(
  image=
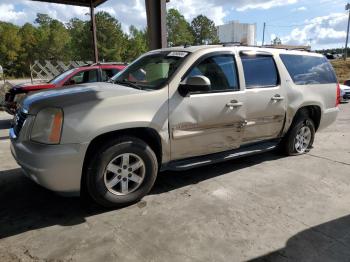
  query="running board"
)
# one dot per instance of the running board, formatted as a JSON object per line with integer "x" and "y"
{"x": 194, "y": 162}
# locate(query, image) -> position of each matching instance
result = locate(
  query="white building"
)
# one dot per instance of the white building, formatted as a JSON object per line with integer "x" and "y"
{"x": 234, "y": 31}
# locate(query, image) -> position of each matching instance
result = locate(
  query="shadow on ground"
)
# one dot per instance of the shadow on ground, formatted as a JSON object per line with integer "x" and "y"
{"x": 326, "y": 242}
{"x": 26, "y": 206}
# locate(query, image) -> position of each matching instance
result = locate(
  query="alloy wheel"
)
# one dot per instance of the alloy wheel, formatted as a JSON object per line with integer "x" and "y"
{"x": 124, "y": 174}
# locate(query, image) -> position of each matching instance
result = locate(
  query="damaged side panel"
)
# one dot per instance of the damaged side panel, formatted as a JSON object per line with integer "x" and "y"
{"x": 203, "y": 124}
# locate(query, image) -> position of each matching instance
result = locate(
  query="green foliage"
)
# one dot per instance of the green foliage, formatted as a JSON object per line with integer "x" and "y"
{"x": 110, "y": 37}
{"x": 80, "y": 46}
{"x": 179, "y": 30}
{"x": 10, "y": 46}
{"x": 29, "y": 43}
{"x": 53, "y": 38}
{"x": 204, "y": 30}
{"x": 276, "y": 41}
{"x": 50, "y": 39}
{"x": 137, "y": 43}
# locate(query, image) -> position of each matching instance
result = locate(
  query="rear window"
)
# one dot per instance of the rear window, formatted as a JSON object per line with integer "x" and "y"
{"x": 306, "y": 70}
{"x": 259, "y": 71}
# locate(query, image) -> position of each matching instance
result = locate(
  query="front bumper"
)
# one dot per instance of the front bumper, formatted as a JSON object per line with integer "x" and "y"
{"x": 55, "y": 167}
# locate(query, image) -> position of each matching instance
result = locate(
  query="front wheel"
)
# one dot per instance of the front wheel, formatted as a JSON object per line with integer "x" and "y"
{"x": 121, "y": 172}
{"x": 300, "y": 137}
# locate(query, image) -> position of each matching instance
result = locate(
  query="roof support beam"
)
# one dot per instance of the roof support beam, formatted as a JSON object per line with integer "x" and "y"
{"x": 85, "y": 3}
{"x": 93, "y": 30}
{"x": 156, "y": 22}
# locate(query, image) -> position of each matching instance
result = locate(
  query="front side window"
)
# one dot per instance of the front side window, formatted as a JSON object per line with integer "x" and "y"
{"x": 152, "y": 71}
{"x": 220, "y": 70}
{"x": 306, "y": 70}
{"x": 87, "y": 76}
{"x": 62, "y": 76}
{"x": 259, "y": 71}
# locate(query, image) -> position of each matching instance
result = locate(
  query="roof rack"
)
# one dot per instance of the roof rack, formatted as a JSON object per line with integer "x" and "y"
{"x": 107, "y": 63}
{"x": 289, "y": 47}
{"x": 286, "y": 47}
{"x": 231, "y": 44}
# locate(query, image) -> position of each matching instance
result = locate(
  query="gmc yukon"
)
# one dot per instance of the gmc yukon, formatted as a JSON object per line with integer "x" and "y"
{"x": 174, "y": 108}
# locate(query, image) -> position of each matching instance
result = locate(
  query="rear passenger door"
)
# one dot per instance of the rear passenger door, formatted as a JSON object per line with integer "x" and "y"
{"x": 265, "y": 97}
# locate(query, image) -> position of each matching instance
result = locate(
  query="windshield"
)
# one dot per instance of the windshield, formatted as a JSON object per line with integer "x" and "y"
{"x": 60, "y": 77}
{"x": 150, "y": 72}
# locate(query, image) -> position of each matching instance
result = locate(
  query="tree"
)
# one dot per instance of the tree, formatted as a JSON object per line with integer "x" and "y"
{"x": 137, "y": 43}
{"x": 80, "y": 45}
{"x": 53, "y": 38}
{"x": 111, "y": 39}
{"x": 10, "y": 47}
{"x": 29, "y": 42}
{"x": 42, "y": 19}
{"x": 276, "y": 41}
{"x": 204, "y": 30}
{"x": 179, "y": 30}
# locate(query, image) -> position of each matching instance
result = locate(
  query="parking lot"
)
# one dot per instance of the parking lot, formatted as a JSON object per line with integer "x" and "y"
{"x": 265, "y": 207}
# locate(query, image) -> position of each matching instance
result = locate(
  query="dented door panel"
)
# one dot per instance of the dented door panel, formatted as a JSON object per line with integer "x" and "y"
{"x": 203, "y": 124}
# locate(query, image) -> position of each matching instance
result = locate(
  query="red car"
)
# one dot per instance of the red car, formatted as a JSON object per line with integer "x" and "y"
{"x": 85, "y": 74}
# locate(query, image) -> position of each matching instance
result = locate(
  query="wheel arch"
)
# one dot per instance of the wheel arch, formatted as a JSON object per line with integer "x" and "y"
{"x": 312, "y": 111}
{"x": 147, "y": 134}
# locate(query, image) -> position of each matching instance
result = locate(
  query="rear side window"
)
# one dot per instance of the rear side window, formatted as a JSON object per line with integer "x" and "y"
{"x": 108, "y": 73}
{"x": 259, "y": 71}
{"x": 87, "y": 76}
{"x": 305, "y": 70}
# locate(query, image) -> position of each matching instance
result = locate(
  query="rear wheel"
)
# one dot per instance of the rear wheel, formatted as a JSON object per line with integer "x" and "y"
{"x": 300, "y": 137}
{"x": 121, "y": 172}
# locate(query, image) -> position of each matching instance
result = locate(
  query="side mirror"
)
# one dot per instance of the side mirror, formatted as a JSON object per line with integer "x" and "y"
{"x": 194, "y": 84}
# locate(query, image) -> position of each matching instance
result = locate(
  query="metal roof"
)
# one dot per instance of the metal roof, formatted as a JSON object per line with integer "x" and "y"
{"x": 74, "y": 2}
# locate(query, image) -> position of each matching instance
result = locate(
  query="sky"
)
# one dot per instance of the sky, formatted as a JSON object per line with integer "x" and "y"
{"x": 321, "y": 23}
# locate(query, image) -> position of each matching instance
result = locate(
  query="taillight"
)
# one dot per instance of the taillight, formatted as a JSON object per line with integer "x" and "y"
{"x": 337, "y": 102}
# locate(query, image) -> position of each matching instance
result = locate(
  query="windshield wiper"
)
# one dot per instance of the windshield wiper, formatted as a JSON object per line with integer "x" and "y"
{"x": 128, "y": 83}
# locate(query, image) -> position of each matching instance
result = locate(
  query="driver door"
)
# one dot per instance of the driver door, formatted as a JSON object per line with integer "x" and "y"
{"x": 212, "y": 121}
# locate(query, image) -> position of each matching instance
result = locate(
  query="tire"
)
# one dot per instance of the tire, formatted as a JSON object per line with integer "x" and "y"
{"x": 110, "y": 180}
{"x": 302, "y": 133}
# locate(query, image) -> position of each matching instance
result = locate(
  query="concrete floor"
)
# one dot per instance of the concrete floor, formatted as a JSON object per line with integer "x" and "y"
{"x": 261, "y": 208}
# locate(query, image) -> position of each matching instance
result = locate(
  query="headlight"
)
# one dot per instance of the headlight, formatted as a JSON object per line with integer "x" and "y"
{"x": 48, "y": 126}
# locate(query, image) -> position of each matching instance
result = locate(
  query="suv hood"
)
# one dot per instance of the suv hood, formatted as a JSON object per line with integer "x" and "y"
{"x": 63, "y": 97}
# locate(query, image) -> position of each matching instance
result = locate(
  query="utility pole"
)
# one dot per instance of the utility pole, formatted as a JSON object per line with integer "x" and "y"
{"x": 347, "y": 7}
{"x": 262, "y": 44}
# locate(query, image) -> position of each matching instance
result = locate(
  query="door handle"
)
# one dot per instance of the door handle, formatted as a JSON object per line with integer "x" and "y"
{"x": 277, "y": 98}
{"x": 234, "y": 103}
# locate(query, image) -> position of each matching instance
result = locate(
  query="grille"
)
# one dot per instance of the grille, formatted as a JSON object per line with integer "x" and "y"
{"x": 19, "y": 119}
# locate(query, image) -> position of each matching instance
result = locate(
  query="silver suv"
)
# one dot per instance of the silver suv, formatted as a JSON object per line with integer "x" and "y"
{"x": 175, "y": 108}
